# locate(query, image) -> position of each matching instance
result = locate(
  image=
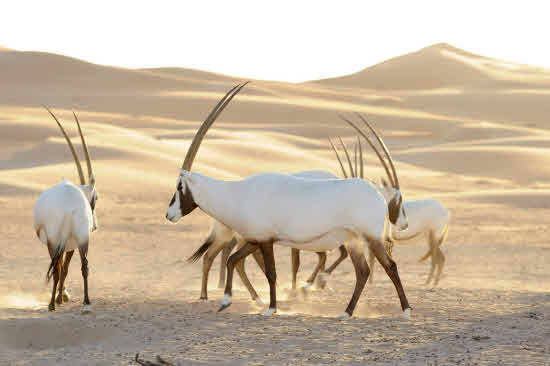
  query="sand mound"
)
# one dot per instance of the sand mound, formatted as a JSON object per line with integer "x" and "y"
{"x": 437, "y": 66}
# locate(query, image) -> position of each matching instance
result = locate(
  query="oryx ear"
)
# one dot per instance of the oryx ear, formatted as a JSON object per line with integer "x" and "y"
{"x": 186, "y": 175}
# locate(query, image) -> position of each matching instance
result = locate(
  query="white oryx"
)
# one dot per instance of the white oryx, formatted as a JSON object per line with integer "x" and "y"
{"x": 428, "y": 220}
{"x": 64, "y": 216}
{"x": 222, "y": 239}
{"x": 307, "y": 214}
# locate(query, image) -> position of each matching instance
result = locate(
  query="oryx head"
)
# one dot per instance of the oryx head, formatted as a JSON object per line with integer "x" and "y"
{"x": 390, "y": 191}
{"x": 89, "y": 189}
{"x": 183, "y": 202}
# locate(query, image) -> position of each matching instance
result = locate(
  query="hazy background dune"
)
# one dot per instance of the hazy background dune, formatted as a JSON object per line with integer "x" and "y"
{"x": 471, "y": 131}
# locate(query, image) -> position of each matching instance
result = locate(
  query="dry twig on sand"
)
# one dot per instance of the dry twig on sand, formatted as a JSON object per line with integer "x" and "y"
{"x": 160, "y": 362}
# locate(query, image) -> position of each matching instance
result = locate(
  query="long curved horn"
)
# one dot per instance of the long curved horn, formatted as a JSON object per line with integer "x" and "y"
{"x": 372, "y": 146}
{"x": 353, "y": 175}
{"x": 360, "y": 158}
{"x": 77, "y": 162}
{"x": 338, "y": 157}
{"x": 192, "y": 151}
{"x": 85, "y": 147}
{"x": 396, "y": 186}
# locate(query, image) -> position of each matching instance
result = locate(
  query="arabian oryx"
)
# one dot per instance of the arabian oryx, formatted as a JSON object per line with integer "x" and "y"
{"x": 64, "y": 216}
{"x": 428, "y": 220}
{"x": 271, "y": 208}
{"x": 223, "y": 239}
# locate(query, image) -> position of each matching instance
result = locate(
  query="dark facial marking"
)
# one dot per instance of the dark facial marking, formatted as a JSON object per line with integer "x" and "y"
{"x": 394, "y": 206}
{"x": 92, "y": 203}
{"x": 187, "y": 203}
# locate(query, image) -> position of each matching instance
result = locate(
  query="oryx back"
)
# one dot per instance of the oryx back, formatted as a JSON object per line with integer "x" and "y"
{"x": 276, "y": 206}
{"x": 425, "y": 217}
{"x": 62, "y": 215}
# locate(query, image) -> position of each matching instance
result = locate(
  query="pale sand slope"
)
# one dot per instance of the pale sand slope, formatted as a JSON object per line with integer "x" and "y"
{"x": 467, "y": 130}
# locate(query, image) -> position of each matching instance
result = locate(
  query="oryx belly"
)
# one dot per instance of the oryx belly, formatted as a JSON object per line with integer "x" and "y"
{"x": 325, "y": 242}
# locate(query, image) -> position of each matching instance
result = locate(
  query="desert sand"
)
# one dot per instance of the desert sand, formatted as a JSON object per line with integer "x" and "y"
{"x": 470, "y": 131}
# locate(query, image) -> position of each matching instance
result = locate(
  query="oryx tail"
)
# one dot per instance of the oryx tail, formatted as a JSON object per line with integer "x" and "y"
{"x": 203, "y": 248}
{"x": 59, "y": 247}
{"x": 433, "y": 240}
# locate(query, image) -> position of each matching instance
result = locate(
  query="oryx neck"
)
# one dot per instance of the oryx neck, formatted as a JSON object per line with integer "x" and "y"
{"x": 213, "y": 196}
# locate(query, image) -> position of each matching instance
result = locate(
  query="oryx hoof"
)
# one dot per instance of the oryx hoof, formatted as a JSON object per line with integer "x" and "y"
{"x": 270, "y": 312}
{"x": 86, "y": 309}
{"x": 51, "y": 307}
{"x": 407, "y": 313}
{"x": 66, "y": 296}
{"x": 259, "y": 301}
{"x": 226, "y": 302}
{"x": 203, "y": 299}
{"x": 343, "y": 316}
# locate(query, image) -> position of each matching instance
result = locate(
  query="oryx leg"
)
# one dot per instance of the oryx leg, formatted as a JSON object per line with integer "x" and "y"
{"x": 343, "y": 255}
{"x": 440, "y": 265}
{"x": 207, "y": 261}
{"x": 227, "y": 249}
{"x": 433, "y": 256}
{"x": 295, "y": 254}
{"x": 258, "y": 257}
{"x": 320, "y": 267}
{"x": 371, "y": 265}
{"x": 63, "y": 295}
{"x": 357, "y": 254}
{"x": 83, "y": 250}
{"x": 240, "y": 267}
{"x": 56, "y": 273}
{"x": 271, "y": 274}
{"x": 247, "y": 249}
{"x": 391, "y": 269}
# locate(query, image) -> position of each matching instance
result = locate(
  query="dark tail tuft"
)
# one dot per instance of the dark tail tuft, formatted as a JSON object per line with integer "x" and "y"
{"x": 202, "y": 249}
{"x": 55, "y": 261}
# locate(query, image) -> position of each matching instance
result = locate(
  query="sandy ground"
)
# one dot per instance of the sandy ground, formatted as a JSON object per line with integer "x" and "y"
{"x": 469, "y": 131}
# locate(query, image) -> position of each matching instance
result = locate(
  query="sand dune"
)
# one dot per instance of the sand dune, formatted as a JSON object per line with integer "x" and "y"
{"x": 440, "y": 66}
{"x": 467, "y": 130}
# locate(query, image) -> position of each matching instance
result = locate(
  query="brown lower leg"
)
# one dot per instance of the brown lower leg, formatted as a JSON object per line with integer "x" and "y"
{"x": 295, "y": 254}
{"x": 320, "y": 266}
{"x": 440, "y": 265}
{"x": 343, "y": 255}
{"x": 259, "y": 258}
{"x": 207, "y": 261}
{"x": 246, "y": 250}
{"x": 83, "y": 250}
{"x": 68, "y": 257}
{"x": 271, "y": 274}
{"x": 56, "y": 272}
{"x": 227, "y": 249}
{"x": 391, "y": 269}
{"x": 244, "y": 278}
{"x": 371, "y": 266}
{"x": 361, "y": 275}
{"x": 433, "y": 254}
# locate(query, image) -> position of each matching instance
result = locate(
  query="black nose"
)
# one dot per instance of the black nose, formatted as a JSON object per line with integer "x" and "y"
{"x": 166, "y": 216}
